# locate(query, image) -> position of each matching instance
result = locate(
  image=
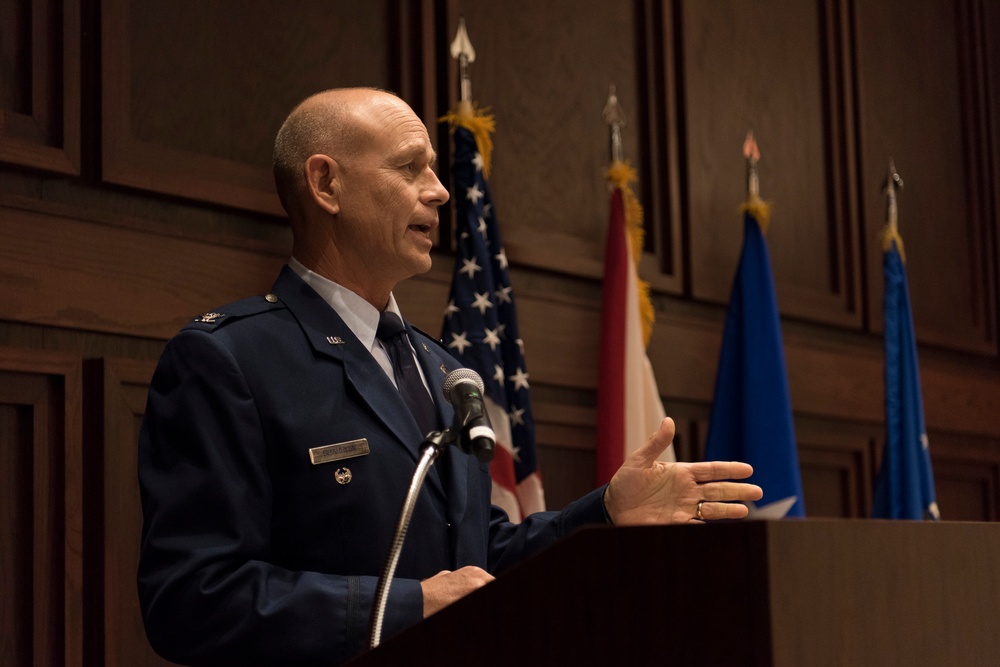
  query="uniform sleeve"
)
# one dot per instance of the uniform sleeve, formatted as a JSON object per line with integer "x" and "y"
{"x": 208, "y": 592}
{"x": 512, "y": 542}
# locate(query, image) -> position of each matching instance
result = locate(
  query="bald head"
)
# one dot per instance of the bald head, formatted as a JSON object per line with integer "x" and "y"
{"x": 337, "y": 123}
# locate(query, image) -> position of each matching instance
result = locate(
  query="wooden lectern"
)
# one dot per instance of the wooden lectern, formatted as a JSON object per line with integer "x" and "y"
{"x": 794, "y": 592}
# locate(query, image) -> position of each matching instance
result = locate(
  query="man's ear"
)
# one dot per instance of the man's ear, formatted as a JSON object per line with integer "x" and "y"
{"x": 322, "y": 181}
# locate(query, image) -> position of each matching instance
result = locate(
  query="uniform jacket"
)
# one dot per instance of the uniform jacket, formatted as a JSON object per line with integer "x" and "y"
{"x": 251, "y": 554}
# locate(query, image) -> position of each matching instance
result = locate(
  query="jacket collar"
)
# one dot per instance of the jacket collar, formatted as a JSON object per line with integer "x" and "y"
{"x": 330, "y": 337}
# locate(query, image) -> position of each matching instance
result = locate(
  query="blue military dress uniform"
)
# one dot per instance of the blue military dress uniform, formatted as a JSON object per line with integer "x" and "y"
{"x": 254, "y": 554}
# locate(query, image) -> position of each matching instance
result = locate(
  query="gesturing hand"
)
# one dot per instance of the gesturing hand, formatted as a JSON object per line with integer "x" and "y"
{"x": 647, "y": 491}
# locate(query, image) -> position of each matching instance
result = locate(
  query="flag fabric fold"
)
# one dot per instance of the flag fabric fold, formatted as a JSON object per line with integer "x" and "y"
{"x": 905, "y": 485}
{"x": 480, "y": 321}
{"x": 629, "y": 408}
{"x": 751, "y": 417}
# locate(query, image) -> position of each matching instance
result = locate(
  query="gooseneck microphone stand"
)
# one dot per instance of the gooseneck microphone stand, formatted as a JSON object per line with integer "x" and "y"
{"x": 473, "y": 434}
{"x": 434, "y": 443}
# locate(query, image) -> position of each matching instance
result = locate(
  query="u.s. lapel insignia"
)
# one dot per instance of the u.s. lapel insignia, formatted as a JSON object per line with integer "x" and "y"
{"x": 334, "y": 340}
{"x": 343, "y": 476}
{"x": 444, "y": 369}
{"x": 209, "y": 318}
{"x": 425, "y": 348}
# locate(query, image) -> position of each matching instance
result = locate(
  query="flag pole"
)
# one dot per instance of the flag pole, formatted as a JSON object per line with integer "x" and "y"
{"x": 754, "y": 205}
{"x": 477, "y": 121}
{"x": 462, "y": 51}
{"x": 893, "y": 183}
{"x": 615, "y": 118}
{"x": 752, "y": 155}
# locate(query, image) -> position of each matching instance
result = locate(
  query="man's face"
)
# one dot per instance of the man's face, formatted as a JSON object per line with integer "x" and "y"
{"x": 390, "y": 194}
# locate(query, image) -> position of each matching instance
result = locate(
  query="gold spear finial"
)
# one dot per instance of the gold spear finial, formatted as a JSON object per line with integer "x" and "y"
{"x": 893, "y": 183}
{"x": 752, "y": 155}
{"x": 461, "y": 50}
{"x": 614, "y": 116}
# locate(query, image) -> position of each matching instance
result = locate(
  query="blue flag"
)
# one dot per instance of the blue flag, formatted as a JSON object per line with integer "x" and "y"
{"x": 752, "y": 409}
{"x": 480, "y": 328}
{"x": 905, "y": 486}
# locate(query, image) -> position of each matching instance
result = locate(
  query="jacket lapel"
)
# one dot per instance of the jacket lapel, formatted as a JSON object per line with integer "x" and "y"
{"x": 330, "y": 337}
{"x": 436, "y": 367}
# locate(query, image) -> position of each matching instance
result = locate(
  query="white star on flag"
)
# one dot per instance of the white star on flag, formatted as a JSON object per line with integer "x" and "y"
{"x": 451, "y": 309}
{"x": 492, "y": 339}
{"x": 477, "y": 162}
{"x": 474, "y": 194}
{"x": 460, "y": 341}
{"x": 503, "y": 294}
{"x": 515, "y": 416}
{"x": 470, "y": 266}
{"x": 498, "y": 373}
{"x": 501, "y": 259}
{"x": 482, "y": 229}
{"x": 520, "y": 379}
{"x": 482, "y": 302}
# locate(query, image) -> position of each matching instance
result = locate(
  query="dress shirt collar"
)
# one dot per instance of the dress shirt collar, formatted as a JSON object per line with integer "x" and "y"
{"x": 360, "y": 316}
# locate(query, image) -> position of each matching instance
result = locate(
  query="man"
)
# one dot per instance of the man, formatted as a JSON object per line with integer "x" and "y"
{"x": 254, "y": 551}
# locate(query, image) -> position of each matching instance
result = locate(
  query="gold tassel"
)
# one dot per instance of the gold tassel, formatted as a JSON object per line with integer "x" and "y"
{"x": 890, "y": 234}
{"x": 620, "y": 174}
{"x": 480, "y": 123}
{"x": 759, "y": 209}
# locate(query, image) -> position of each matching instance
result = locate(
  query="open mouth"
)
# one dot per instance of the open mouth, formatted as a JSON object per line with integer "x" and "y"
{"x": 423, "y": 229}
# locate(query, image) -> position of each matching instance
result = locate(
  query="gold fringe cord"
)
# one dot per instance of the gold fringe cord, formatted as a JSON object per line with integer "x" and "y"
{"x": 759, "y": 209}
{"x": 620, "y": 175}
{"x": 481, "y": 124}
{"x": 890, "y": 234}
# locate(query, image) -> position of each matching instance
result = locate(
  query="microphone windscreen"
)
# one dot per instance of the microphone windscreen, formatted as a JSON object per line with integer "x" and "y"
{"x": 461, "y": 375}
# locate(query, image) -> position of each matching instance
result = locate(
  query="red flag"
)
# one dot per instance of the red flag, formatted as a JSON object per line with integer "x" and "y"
{"x": 628, "y": 403}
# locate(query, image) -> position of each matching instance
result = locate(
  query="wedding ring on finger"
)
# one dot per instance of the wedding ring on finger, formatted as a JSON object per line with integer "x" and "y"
{"x": 698, "y": 513}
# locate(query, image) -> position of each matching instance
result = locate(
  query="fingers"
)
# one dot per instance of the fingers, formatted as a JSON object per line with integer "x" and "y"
{"x": 730, "y": 491}
{"x": 712, "y": 511}
{"x": 656, "y": 445}
{"x": 445, "y": 587}
{"x": 710, "y": 471}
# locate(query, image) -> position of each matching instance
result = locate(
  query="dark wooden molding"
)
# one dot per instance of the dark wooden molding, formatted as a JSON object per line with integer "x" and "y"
{"x": 940, "y": 144}
{"x": 116, "y": 402}
{"x": 95, "y": 277}
{"x": 41, "y": 396}
{"x": 805, "y": 133}
{"x": 163, "y": 144}
{"x": 40, "y": 121}
{"x": 660, "y": 85}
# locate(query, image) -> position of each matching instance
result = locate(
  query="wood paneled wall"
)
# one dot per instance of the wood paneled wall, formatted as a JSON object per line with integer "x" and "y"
{"x": 135, "y": 193}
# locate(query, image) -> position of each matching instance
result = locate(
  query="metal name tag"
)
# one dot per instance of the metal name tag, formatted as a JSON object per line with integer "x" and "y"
{"x": 338, "y": 451}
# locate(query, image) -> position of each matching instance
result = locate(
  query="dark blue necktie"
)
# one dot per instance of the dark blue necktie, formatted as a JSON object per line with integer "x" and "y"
{"x": 404, "y": 368}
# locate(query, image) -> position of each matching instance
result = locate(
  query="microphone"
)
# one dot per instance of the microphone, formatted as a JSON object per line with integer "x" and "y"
{"x": 463, "y": 388}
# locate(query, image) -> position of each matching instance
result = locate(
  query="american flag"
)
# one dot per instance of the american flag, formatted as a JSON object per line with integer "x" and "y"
{"x": 480, "y": 329}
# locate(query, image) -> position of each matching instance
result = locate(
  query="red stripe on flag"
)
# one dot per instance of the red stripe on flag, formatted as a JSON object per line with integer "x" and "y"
{"x": 611, "y": 379}
{"x": 502, "y": 469}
